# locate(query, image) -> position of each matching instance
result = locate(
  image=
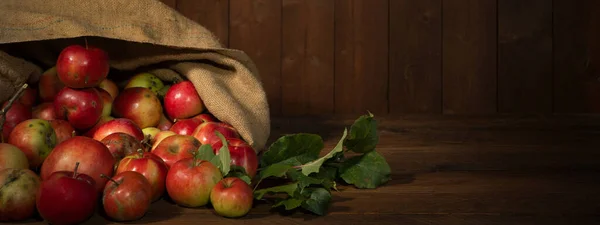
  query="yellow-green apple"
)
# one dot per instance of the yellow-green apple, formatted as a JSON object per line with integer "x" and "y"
{"x": 107, "y": 102}
{"x": 206, "y": 132}
{"x": 36, "y": 138}
{"x": 176, "y": 147}
{"x": 139, "y": 105}
{"x": 16, "y": 114}
{"x": 190, "y": 181}
{"x": 62, "y": 129}
{"x": 81, "y": 107}
{"x": 183, "y": 101}
{"x": 95, "y": 159}
{"x": 241, "y": 154}
{"x": 110, "y": 86}
{"x": 149, "y": 165}
{"x": 127, "y": 196}
{"x": 123, "y": 125}
{"x": 44, "y": 110}
{"x": 67, "y": 196}
{"x": 150, "y": 131}
{"x": 121, "y": 144}
{"x": 146, "y": 80}
{"x": 49, "y": 85}
{"x": 164, "y": 123}
{"x": 12, "y": 157}
{"x": 232, "y": 197}
{"x": 82, "y": 67}
{"x": 159, "y": 137}
{"x": 18, "y": 191}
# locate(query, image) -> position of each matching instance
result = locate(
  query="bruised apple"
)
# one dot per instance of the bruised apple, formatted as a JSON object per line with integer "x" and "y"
{"x": 176, "y": 147}
{"x": 18, "y": 191}
{"x": 140, "y": 105}
{"x": 36, "y": 138}
{"x": 121, "y": 144}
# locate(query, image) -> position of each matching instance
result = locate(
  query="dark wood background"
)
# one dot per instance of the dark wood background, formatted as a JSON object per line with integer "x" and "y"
{"x": 415, "y": 56}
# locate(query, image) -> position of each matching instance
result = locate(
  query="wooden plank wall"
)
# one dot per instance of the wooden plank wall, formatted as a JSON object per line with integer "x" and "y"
{"x": 415, "y": 56}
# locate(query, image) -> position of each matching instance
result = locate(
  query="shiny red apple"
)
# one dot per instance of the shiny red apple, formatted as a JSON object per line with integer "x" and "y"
{"x": 123, "y": 125}
{"x": 206, "y": 132}
{"x": 81, "y": 107}
{"x": 183, "y": 101}
{"x": 190, "y": 181}
{"x": 176, "y": 147}
{"x": 82, "y": 67}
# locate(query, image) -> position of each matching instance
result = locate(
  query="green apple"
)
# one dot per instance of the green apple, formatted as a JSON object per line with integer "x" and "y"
{"x": 146, "y": 80}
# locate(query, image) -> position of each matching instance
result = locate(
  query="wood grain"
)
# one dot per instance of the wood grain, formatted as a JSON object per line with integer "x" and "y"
{"x": 525, "y": 56}
{"x": 212, "y": 14}
{"x": 255, "y": 28}
{"x": 361, "y": 56}
{"x": 469, "y": 57}
{"x": 307, "y": 57}
{"x": 415, "y": 56}
{"x": 576, "y": 56}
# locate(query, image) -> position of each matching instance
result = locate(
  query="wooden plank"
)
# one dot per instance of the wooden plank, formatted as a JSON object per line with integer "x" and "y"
{"x": 361, "y": 56}
{"x": 307, "y": 57}
{"x": 170, "y": 3}
{"x": 255, "y": 28}
{"x": 469, "y": 57}
{"x": 576, "y": 56}
{"x": 415, "y": 56}
{"x": 525, "y": 56}
{"x": 212, "y": 14}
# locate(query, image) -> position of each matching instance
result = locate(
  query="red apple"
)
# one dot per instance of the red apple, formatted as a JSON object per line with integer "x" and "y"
{"x": 67, "y": 196}
{"x": 103, "y": 119}
{"x": 109, "y": 86}
{"x": 205, "y": 132}
{"x": 149, "y": 165}
{"x": 107, "y": 102}
{"x": 182, "y": 101}
{"x": 175, "y": 148}
{"x": 49, "y": 85}
{"x": 231, "y": 197}
{"x": 241, "y": 153}
{"x": 123, "y": 125}
{"x": 18, "y": 191}
{"x": 164, "y": 123}
{"x": 81, "y": 107}
{"x": 127, "y": 196}
{"x": 12, "y": 157}
{"x": 185, "y": 126}
{"x": 29, "y": 97}
{"x": 16, "y": 114}
{"x": 62, "y": 129}
{"x": 190, "y": 181}
{"x": 44, "y": 110}
{"x": 140, "y": 105}
{"x": 95, "y": 159}
{"x": 159, "y": 137}
{"x": 121, "y": 144}
{"x": 82, "y": 67}
{"x": 36, "y": 138}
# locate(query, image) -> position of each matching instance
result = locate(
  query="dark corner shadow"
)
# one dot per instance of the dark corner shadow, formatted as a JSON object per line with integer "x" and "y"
{"x": 160, "y": 210}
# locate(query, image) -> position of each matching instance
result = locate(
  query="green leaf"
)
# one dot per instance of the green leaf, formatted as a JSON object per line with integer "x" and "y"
{"x": 287, "y": 188}
{"x": 366, "y": 171}
{"x": 275, "y": 170}
{"x": 205, "y": 152}
{"x": 240, "y": 175}
{"x": 293, "y": 149}
{"x": 317, "y": 201}
{"x": 224, "y": 155}
{"x": 289, "y": 203}
{"x": 327, "y": 176}
{"x": 363, "y": 135}
{"x": 303, "y": 180}
{"x": 314, "y": 166}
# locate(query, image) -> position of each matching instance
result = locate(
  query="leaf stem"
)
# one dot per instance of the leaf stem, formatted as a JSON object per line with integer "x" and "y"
{"x": 7, "y": 107}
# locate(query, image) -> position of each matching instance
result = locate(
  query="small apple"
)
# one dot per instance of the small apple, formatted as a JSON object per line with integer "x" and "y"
{"x": 36, "y": 138}
{"x": 127, "y": 196}
{"x": 176, "y": 147}
{"x": 62, "y": 129}
{"x": 16, "y": 114}
{"x": 232, "y": 197}
{"x": 123, "y": 125}
{"x": 190, "y": 181}
{"x": 149, "y": 165}
{"x": 139, "y": 105}
{"x": 18, "y": 191}
{"x": 67, "y": 197}
{"x": 121, "y": 144}
{"x": 49, "y": 85}
{"x": 12, "y": 157}
{"x": 146, "y": 80}
{"x": 159, "y": 137}
{"x": 205, "y": 132}
{"x": 82, "y": 67}
{"x": 44, "y": 110}
{"x": 81, "y": 107}
{"x": 107, "y": 102}
{"x": 182, "y": 101}
{"x": 241, "y": 154}
{"x": 109, "y": 86}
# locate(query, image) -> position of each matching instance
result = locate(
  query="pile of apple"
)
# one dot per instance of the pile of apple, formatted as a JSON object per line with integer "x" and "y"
{"x": 76, "y": 142}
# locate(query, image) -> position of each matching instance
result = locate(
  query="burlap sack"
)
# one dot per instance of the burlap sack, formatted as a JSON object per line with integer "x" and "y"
{"x": 138, "y": 35}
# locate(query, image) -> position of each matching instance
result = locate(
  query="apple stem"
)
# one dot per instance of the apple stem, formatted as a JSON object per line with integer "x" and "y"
{"x": 141, "y": 152}
{"x": 75, "y": 170}
{"x": 73, "y": 134}
{"x": 106, "y": 177}
{"x": 7, "y": 107}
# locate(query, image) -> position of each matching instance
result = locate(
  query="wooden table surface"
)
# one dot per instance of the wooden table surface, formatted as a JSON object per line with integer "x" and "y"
{"x": 450, "y": 170}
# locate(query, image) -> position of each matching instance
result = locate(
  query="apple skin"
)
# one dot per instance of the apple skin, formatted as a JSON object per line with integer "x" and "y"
{"x": 127, "y": 196}
{"x": 176, "y": 147}
{"x": 185, "y": 126}
{"x": 123, "y": 125}
{"x": 121, "y": 144}
{"x": 150, "y": 131}
{"x": 109, "y": 86}
{"x": 82, "y": 67}
{"x": 232, "y": 197}
{"x": 94, "y": 158}
{"x": 44, "y": 110}
{"x": 182, "y": 101}
{"x": 190, "y": 181}
{"x": 149, "y": 165}
{"x": 164, "y": 123}
{"x": 49, "y": 85}
{"x": 205, "y": 132}
{"x": 36, "y": 138}
{"x": 12, "y": 157}
{"x": 67, "y": 192}
{"x": 62, "y": 129}
{"x": 241, "y": 154}
{"x": 19, "y": 191}
{"x": 146, "y": 80}
{"x": 139, "y": 105}
{"x": 159, "y": 137}
{"x": 103, "y": 119}
{"x": 29, "y": 97}
{"x": 16, "y": 114}
{"x": 81, "y": 107}
{"x": 107, "y": 102}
